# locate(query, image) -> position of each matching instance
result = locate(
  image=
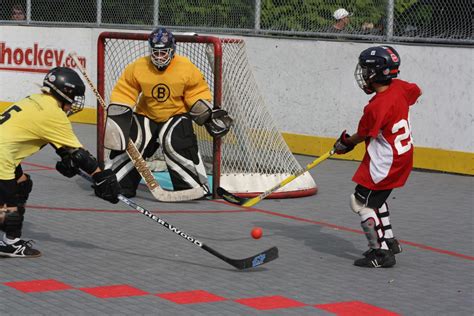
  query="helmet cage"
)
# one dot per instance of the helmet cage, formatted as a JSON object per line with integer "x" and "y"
{"x": 77, "y": 105}
{"x": 161, "y": 57}
{"x": 66, "y": 92}
{"x": 162, "y": 45}
{"x": 362, "y": 76}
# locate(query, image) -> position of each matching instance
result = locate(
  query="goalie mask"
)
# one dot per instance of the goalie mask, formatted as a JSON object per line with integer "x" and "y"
{"x": 376, "y": 65}
{"x": 66, "y": 86}
{"x": 163, "y": 46}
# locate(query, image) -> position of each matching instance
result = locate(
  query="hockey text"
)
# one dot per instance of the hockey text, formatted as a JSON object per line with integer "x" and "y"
{"x": 35, "y": 58}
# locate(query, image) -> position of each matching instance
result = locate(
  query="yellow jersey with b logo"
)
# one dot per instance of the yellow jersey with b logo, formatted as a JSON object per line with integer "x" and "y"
{"x": 160, "y": 95}
{"x": 29, "y": 124}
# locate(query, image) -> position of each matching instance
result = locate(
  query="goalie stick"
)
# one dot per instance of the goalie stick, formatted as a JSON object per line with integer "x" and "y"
{"x": 159, "y": 193}
{"x": 241, "y": 264}
{"x": 248, "y": 202}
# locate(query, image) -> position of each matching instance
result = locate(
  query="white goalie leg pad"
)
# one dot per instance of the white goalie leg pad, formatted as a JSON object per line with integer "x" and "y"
{"x": 370, "y": 224}
{"x": 117, "y": 127}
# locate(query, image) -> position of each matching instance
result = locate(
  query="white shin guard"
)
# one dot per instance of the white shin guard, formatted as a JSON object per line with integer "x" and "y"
{"x": 370, "y": 224}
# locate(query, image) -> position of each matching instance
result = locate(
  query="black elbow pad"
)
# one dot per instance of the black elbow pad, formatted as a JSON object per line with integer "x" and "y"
{"x": 84, "y": 160}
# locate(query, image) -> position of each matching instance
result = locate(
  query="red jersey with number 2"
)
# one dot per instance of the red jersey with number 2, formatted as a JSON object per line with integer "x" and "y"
{"x": 388, "y": 160}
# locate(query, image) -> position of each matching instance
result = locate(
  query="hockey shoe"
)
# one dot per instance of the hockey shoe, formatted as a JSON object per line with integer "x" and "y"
{"x": 376, "y": 258}
{"x": 393, "y": 245}
{"x": 20, "y": 249}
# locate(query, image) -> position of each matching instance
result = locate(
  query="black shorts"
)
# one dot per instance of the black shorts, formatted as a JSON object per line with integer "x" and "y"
{"x": 8, "y": 191}
{"x": 371, "y": 198}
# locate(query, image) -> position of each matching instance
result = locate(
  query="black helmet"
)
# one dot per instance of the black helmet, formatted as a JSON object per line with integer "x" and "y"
{"x": 163, "y": 46}
{"x": 66, "y": 85}
{"x": 377, "y": 65}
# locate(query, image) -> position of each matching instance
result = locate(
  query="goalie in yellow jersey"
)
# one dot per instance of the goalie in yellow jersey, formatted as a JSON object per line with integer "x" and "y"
{"x": 168, "y": 93}
{"x": 26, "y": 127}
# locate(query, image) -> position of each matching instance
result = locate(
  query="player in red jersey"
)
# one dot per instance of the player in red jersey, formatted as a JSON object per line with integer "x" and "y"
{"x": 388, "y": 160}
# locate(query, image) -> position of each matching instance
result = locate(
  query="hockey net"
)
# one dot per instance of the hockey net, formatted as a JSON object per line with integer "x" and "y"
{"x": 253, "y": 156}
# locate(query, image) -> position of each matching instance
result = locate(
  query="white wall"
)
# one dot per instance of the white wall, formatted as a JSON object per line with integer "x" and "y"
{"x": 308, "y": 85}
{"x": 313, "y": 90}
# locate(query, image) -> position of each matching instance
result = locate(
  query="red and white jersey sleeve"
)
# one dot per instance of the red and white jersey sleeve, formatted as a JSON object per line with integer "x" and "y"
{"x": 388, "y": 160}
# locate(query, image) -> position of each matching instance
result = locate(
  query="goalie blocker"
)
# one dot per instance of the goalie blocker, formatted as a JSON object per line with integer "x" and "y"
{"x": 117, "y": 127}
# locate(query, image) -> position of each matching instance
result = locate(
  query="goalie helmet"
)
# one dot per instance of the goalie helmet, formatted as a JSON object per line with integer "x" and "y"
{"x": 376, "y": 65}
{"x": 66, "y": 86}
{"x": 163, "y": 46}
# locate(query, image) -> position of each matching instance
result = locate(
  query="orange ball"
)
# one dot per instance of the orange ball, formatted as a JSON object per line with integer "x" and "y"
{"x": 256, "y": 233}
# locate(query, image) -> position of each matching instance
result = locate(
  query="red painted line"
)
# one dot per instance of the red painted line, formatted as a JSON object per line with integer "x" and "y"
{"x": 73, "y": 209}
{"x": 242, "y": 209}
{"x": 300, "y": 219}
{"x": 446, "y": 252}
{"x": 421, "y": 246}
{"x": 95, "y": 210}
{"x": 24, "y": 69}
{"x": 32, "y": 170}
{"x": 38, "y": 166}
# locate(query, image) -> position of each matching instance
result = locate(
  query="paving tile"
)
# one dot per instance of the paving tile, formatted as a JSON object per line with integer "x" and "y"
{"x": 355, "y": 309}
{"x": 269, "y": 302}
{"x": 191, "y": 297}
{"x": 114, "y": 291}
{"x": 38, "y": 286}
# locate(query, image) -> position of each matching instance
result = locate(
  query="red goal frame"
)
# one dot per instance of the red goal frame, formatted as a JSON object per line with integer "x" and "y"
{"x": 217, "y": 97}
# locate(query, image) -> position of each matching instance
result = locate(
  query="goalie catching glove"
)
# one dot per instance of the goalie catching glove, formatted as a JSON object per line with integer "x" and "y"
{"x": 216, "y": 121}
{"x": 343, "y": 145}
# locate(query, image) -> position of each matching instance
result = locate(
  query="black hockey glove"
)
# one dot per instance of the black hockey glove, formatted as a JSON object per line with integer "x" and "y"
{"x": 66, "y": 166}
{"x": 106, "y": 186}
{"x": 342, "y": 145}
{"x": 219, "y": 123}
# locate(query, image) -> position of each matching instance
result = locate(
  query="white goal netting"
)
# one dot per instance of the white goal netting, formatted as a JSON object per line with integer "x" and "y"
{"x": 253, "y": 156}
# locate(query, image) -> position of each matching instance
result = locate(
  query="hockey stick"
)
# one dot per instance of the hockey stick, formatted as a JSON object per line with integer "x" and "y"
{"x": 159, "y": 193}
{"x": 241, "y": 264}
{"x": 248, "y": 202}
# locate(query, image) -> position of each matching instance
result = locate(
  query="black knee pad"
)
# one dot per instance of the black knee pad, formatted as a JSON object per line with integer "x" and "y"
{"x": 24, "y": 190}
{"x": 150, "y": 149}
{"x": 13, "y": 223}
{"x": 184, "y": 141}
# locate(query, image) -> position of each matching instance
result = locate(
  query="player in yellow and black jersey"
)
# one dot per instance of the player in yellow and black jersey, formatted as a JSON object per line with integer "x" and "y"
{"x": 26, "y": 127}
{"x": 168, "y": 93}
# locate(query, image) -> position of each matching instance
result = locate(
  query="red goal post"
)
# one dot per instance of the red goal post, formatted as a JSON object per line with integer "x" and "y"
{"x": 253, "y": 156}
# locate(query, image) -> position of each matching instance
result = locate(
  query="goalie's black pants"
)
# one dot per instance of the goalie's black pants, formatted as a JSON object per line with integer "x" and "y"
{"x": 179, "y": 145}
